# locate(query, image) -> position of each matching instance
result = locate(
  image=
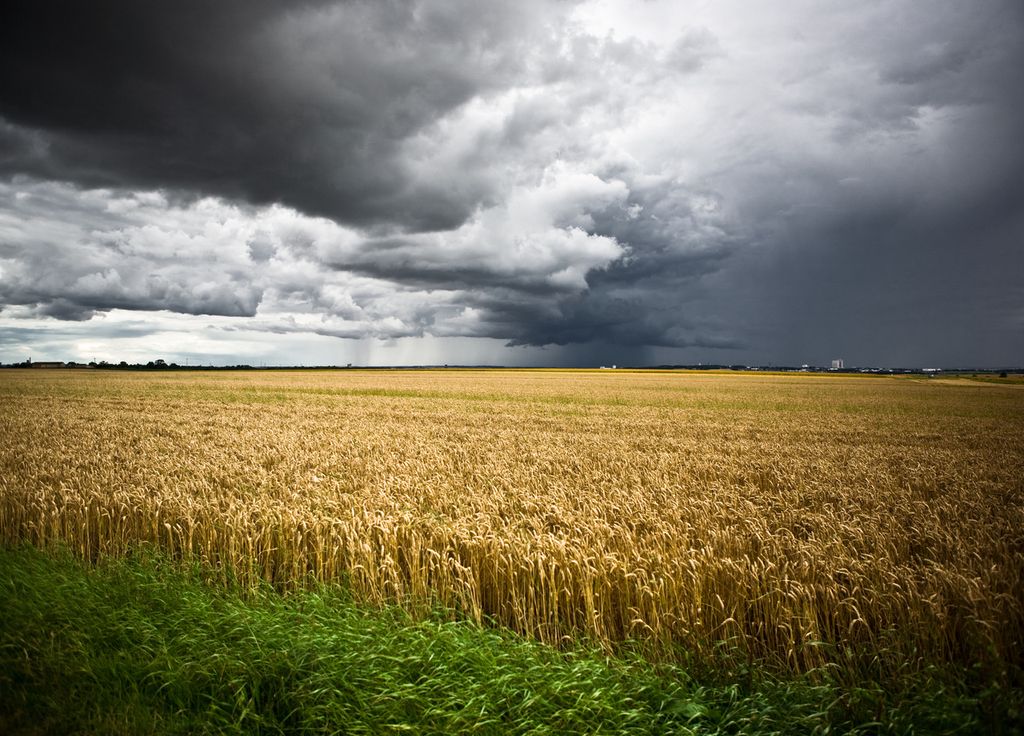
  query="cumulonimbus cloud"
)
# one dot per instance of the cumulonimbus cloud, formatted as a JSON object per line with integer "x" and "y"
{"x": 544, "y": 173}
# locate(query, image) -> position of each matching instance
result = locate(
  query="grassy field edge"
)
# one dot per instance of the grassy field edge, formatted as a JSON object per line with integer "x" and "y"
{"x": 143, "y": 645}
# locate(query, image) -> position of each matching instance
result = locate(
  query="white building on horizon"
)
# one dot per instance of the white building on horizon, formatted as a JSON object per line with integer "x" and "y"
{"x": 837, "y": 364}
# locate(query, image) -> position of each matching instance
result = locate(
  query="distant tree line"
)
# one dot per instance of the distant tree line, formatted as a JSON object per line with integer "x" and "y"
{"x": 153, "y": 365}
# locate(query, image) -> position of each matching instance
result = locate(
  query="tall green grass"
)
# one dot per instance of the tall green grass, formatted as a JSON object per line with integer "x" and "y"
{"x": 140, "y": 646}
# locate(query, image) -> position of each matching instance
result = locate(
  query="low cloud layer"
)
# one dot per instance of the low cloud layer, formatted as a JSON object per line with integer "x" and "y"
{"x": 654, "y": 180}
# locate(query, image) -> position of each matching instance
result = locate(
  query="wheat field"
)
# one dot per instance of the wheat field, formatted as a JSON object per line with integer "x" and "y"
{"x": 799, "y": 521}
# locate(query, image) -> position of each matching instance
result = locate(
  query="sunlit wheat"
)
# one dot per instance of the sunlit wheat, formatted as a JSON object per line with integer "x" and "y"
{"x": 801, "y": 521}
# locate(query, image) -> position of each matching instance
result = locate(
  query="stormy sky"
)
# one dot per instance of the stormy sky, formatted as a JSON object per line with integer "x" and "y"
{"x": 527, "y": 183}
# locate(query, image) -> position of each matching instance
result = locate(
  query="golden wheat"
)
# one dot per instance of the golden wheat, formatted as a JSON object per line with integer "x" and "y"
{"x": 803, "y": 519}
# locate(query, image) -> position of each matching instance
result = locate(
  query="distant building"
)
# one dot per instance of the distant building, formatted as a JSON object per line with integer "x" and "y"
{"x": 837, "y": 364}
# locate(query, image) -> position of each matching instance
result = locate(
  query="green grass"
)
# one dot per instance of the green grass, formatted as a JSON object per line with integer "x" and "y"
{"x": 143, "y": 646}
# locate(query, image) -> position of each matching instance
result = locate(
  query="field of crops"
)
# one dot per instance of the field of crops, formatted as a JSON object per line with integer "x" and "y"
{"x": 798, "y": 521}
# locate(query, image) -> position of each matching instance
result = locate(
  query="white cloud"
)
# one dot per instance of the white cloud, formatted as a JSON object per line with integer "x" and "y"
{"x": 284, "y": 271}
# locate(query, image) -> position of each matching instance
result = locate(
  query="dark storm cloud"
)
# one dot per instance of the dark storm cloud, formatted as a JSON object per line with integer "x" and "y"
{"x": 630, "y": 319}
{"x": 895, "y": 285}
{"x": 301, "y": 103}
{"x": 754, "y": 184}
